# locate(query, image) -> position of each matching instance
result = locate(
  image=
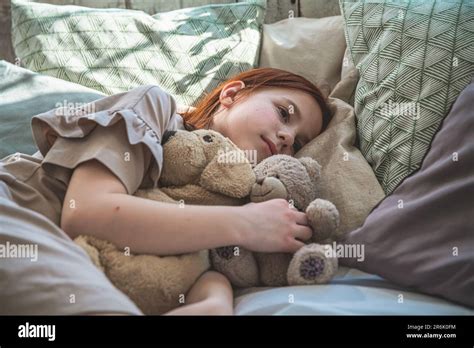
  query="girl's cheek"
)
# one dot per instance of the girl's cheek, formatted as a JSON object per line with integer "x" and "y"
{"x": 268, "y": 119}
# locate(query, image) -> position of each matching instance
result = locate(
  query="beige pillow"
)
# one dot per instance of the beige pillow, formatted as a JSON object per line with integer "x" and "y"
{"x": 345, "y": 89}
{"x": 310, "y": 47}
{"x": 347, "y": 179}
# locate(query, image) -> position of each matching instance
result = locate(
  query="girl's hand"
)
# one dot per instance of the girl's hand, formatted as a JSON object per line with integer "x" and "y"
{"x": 273, "y": 226}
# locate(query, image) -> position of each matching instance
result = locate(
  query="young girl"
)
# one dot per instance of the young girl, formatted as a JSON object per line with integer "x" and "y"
{"x": 92, "y": 160}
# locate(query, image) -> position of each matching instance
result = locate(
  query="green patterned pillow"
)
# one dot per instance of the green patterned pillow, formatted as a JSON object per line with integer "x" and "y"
{"x": 187, "y": 52}
{"x": 414, "y": 58}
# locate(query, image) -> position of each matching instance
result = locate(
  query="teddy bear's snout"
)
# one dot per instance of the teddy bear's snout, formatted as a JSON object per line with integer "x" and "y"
{"x": 266, "y": 188}
{"x": 167, "y": 135}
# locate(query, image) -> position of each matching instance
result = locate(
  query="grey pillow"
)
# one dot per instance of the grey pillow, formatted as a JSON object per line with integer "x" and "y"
{"x": 24, "y": 93}
{"x": 422, "y": 236}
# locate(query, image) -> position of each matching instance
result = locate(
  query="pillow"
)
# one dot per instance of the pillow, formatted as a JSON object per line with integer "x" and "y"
{"x": 414, "y": 58}
{"x": 421, "y": 235}
{"x": 346, "y": 87}
{"x": 347, "y": 179}
{"x": 319, "y": 8}
{"x": 313, "y": 48}
{"x": 24, "y": 94}
{"x": 187, "y": 52}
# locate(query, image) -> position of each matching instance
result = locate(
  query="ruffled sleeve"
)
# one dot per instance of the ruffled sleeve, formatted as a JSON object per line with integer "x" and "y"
{"x": 122, "y": 131}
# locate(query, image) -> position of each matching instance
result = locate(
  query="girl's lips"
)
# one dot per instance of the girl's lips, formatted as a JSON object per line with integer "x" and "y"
{"x": 270, "y": 145}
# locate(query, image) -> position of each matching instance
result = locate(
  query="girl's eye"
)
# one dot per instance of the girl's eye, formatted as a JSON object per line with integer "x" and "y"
{"x": 284, "y": 113}
{"x": 286, "y": 116}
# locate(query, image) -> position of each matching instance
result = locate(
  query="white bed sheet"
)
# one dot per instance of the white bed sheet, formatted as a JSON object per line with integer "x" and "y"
{"x": 351, "y": 292}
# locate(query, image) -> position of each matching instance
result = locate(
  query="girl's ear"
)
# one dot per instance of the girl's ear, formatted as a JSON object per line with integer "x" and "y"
{"x": 229, "y": 91}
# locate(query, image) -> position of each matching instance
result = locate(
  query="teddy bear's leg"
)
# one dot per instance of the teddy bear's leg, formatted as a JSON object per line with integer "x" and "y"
{"x": 323, "y": 217}
{"x": 273, "y": 267}
{"x": 312, "y": 264}
{"x": 237, "y": 264}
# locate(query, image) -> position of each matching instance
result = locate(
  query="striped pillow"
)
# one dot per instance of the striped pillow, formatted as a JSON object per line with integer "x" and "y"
{"x": 187, "y": 52}
{"x": 414, "y": 58}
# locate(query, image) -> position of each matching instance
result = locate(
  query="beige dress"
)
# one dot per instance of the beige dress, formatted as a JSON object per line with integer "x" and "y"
{"x": 123, "y": 132}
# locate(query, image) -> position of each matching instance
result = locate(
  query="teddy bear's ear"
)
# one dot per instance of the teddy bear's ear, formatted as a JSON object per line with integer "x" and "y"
{"x": 229, "y": 173}
{"x": 312, "y": 167}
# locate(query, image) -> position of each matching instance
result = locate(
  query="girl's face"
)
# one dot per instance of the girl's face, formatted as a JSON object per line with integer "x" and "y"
{"x": 269, "y": 121}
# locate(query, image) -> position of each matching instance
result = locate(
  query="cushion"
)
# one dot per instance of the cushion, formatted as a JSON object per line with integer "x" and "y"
{"x": 25, "y": 93}
{"x": 346, "y": 87}
{"x": 187, "y": 52}
{"x": 421, "y": 235}
{"x": 318, "y": 8}
{"x": 414, "y": 58}
{"x": 313, "y": 48}
{"x": 347, "y": 180}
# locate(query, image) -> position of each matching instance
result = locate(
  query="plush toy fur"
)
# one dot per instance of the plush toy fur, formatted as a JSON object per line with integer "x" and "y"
{"x": 200, "y": 167}
{"x": 295, "y": 180}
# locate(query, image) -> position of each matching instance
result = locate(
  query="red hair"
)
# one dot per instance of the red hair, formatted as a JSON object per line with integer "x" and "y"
{"x": 201, "y": 116}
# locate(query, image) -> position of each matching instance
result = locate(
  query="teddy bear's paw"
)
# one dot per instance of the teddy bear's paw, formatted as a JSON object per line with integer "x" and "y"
{"x": 323, "y": 217}
{"x": 312, "y": 265}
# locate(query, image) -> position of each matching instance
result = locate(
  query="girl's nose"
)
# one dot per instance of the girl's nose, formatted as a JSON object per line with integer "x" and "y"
{"x": 286, "y": 138}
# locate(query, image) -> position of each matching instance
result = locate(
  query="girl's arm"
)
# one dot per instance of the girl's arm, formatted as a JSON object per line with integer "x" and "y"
{"x": 96, "y": 203}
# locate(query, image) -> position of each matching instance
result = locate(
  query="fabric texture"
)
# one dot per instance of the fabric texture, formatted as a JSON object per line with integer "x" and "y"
{"x": 421, "y": 235}
{"x": 25, "y": 93}
{"x": 313, "y": 48}
{"x": 122, "y": 131}
{"x": 347, "y": 180}
{"x": 346, "y": 87}
{"x": 187, "y": 52}
{"x": 351, "y": 292}
{"x": 146, "y": 111}
{"x": 48, "y": 274}
{"x": 414, "y": 58}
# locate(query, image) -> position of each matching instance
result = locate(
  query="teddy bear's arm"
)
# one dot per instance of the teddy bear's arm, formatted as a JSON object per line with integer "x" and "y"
{"x": 323, "y": 217}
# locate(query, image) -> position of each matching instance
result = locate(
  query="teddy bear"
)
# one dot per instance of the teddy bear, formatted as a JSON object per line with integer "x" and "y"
{"x": 199, "y": 167}
{"x": 295, "y": 180}
{"x": 203, "y": 167}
